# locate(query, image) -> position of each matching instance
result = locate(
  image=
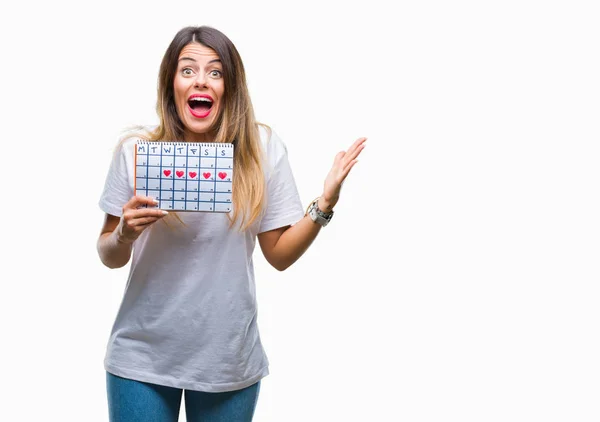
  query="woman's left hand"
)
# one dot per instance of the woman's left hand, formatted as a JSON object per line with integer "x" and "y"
{"x": 342, "y": 164}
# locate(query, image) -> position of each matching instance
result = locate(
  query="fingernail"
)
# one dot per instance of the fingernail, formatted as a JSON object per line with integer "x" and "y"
{"x": 165, "y": 212}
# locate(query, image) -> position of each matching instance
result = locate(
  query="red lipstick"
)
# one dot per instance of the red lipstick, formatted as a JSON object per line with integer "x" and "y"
{"x": 195, "y": 99}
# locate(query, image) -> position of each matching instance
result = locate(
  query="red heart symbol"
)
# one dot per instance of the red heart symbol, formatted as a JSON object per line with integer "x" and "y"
{"x": 222, "y": 175}
{"x": 206, "y": 175}
{"x": 179, "y": 173}
{"x": 192, "y": 174}
{"x": 167, "y": 172}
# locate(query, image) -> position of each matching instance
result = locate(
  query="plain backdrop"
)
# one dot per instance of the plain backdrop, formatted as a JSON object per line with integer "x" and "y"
{"x": 458, "y": 280}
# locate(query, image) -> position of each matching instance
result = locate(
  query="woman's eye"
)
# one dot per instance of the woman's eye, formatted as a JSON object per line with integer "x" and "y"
{"x": 187, "y": 71}
{"x": 216, "y": 73}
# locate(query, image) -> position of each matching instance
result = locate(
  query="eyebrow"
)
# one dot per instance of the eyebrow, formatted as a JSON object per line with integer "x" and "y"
{"x": 193, "y": 60}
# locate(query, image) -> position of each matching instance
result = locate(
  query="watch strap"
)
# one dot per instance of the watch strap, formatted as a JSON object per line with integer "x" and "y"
{"x": 318, "y": 216}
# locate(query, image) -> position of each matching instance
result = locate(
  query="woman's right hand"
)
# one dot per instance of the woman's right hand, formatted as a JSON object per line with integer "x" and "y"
{"x": 135, "y": 220}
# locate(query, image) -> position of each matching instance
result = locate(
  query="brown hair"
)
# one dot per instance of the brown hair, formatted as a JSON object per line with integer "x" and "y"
{"x": 235, "y": 123}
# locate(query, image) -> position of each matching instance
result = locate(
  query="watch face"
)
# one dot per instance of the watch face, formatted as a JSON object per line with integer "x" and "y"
{"x": 313, "y": 213}
{"x": 319, "y": 216}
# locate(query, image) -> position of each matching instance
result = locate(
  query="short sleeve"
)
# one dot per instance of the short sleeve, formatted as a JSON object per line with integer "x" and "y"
{"x": 118, "y": 187}
{"x": 283, "y": 207}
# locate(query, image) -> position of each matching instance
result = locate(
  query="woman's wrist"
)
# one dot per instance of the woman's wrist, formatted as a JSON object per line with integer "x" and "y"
{"x": 326, "y": 205}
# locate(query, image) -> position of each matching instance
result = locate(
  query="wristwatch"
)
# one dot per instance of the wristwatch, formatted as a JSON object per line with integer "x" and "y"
{"x": 318, "y": 216}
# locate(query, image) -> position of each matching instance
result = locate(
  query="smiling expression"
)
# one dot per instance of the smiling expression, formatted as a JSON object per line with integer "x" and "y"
{"x": 198, "y": 89}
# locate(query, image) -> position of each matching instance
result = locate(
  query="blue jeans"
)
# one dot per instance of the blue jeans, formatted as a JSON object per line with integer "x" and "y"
{"x": 136, "y": 401}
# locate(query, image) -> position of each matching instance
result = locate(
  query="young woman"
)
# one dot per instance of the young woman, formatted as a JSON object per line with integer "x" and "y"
{"x": 187, "y": 321}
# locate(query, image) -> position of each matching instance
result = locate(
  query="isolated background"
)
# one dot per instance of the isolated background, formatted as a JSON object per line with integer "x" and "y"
{"x": 459, "y": 278}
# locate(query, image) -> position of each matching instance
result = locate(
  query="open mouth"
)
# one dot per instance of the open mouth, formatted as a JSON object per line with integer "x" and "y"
{"x": 200, "y": 106}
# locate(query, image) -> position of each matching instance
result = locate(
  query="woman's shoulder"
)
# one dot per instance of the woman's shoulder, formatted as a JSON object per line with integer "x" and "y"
{"x": 265, "y": 132}
{"x": 131, "y": 135}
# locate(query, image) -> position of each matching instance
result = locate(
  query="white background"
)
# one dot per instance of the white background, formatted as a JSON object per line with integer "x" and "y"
{"x": 459, "y": 278}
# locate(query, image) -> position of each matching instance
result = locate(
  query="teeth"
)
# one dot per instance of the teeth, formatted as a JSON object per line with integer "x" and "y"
{"x": 201, "y": 99}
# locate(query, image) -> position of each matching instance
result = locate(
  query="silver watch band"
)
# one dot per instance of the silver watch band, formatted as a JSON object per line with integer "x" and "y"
{"x": 317, "y": 215}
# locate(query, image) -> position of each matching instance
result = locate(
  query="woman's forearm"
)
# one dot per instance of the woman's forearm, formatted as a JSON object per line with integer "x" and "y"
{"x": 113, "y": 253}
{"x": 119, "y": 233}
{"x": 293, "y": 242}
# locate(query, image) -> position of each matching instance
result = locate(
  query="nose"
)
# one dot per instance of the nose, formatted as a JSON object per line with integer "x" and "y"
{"x": 200, "y": 81}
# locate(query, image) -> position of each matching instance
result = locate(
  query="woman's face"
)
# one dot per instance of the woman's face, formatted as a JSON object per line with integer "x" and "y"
{"x": 198, "y": 88}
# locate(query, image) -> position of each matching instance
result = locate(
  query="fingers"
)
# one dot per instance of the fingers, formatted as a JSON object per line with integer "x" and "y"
{"x": 136, "y": 219}
{"x": 348, "y": 167}
{"x": 338, "y": 157}
{"x": 134, "y": 223}
{"x": 144, "y": 213}
{"x": 134, "y": 208}
{"x": 352, "y": 153}
{"x": 138, "y": 201}
{"x": 351, "y": 156}
{"x": 129, "y": 228}
{"x": 358, "y": 144}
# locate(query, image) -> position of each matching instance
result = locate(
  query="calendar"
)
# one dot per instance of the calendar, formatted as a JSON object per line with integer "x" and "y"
{"x": 185, "y": 176}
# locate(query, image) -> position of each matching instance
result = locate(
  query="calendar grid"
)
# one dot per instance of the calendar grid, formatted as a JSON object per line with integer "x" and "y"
{"x": 186, "y": 174}
{"x": 147, "y": 158}
{"x": 173, "y": 178}
{"x": 161, "y": 172}
{"x": 180, "y": 178}
{"x": 215, "y": 181}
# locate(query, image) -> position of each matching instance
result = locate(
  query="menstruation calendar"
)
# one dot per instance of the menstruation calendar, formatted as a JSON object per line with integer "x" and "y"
{"x": 185, "y": 176}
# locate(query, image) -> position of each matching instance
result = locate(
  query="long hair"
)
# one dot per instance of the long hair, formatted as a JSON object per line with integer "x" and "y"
{"x": 235, "y": 123}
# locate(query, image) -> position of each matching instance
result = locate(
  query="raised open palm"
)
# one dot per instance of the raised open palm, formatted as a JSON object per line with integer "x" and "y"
{"x": 342, "y": 164}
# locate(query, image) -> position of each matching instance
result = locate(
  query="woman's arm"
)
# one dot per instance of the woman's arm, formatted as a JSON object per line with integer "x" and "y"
{"x": 113, "y": 254}
{"x": 118, "y": 234}
{"x": 283, "y": 246}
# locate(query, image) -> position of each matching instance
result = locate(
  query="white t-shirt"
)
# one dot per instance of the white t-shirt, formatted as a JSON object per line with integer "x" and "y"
{"x": 188, "y": 318}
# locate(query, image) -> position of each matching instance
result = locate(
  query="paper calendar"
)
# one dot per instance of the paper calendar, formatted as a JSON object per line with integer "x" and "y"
{"x": 185, "y": 176}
